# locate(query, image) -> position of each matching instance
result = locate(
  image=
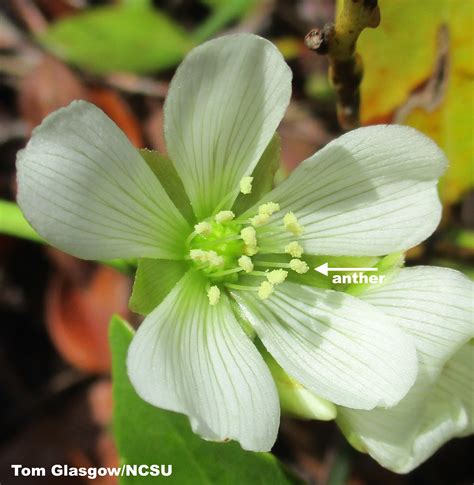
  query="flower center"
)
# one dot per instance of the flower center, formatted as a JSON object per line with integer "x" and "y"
{"x": 227, "y": 250}
{"x": 216, "y": 249}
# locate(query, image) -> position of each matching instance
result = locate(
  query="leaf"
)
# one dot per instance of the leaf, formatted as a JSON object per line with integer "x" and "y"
{"x": 154, "y": 279}
{"x": 419, "y": 72}
{"x": 164, "y": 169}
{"x": 148, "y": 435}
{"x": 118, "y": 38}
{"x": 263, "y": 176}
{"x": 223, "y": 12}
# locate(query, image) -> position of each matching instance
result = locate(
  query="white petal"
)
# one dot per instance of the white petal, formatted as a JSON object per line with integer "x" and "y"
{"x": 223, "y": 107}
{"x": 194, "y": 358}
{"x": 402, "y": 437}
{"x": 87, "y": 190}
{"x": 370, "y": 192}
{"x": 434, "y": 305}
{"x": 339, "y": 347}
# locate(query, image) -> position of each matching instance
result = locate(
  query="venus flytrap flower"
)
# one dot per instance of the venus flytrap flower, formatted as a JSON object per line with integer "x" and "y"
{"x": 370, "y": 192}
{"x": 434, "y": 305}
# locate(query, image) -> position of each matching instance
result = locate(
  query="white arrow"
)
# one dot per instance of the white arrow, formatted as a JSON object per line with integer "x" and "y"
{"x": 325, "y": 269}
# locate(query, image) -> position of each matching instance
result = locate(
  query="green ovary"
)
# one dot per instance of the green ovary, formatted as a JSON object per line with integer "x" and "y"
{"x": 225, "y": 241}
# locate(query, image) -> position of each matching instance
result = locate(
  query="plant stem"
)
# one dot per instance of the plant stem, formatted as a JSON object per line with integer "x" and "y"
{"x": 338, "y": 41}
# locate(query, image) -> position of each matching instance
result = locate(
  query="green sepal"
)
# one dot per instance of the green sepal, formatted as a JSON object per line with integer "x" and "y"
{"x": 164, "y": 169}
{"x": 295, "y": 399}
{"x": 154, "y": 279}
{"x": 146, "y": 435}
{"x": 263, "y": 176}
{"x": 352, "y": 438}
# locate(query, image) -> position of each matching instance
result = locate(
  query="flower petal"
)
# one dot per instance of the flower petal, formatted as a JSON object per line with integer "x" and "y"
{"x": 434, "y": 305}
{"x": 87, "y": 190}
{"x": 223, "y": 107}
{"x": 402, "y": 437}
{"x": 340, "y": 348}
{"x": 370, "y": 192}
{"x": 194, "y": 358}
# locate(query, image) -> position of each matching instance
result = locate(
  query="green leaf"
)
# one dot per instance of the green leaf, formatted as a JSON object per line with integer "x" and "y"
{"x": 118, "y": 38}
{"x": 223, "y": 12}
{"x": 263, "y": 176}
{"x": 164, "y": 169}
{"x": 154, "y": 279}
{"x": 13, "y": 222}
{"x": 148, "y": 435}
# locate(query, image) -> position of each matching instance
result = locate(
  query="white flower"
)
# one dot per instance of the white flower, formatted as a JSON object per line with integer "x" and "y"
{"x": 88, "y": 191}
{"x": 435, "y": 306}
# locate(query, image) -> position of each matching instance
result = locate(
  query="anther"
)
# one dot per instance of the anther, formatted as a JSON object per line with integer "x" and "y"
{"x": 246, "y": 185}
{"x": 246, "y": 264}
{"x": 291, "y": 224}
{"x": 265, "y": 290}
{"x": 249, "y": 236}
{"x": 294, "y": 249}
{"x": 224, "y": 216}
{"x": 299, "y": 266}
{"x": 269, "y": 208}
{"x": 210, "y": 257}
{"x": 259, "y": 220}
{"x": 214, "y": 294}
{"x": 277, "y": 276}
{"x": 203, "y": 228}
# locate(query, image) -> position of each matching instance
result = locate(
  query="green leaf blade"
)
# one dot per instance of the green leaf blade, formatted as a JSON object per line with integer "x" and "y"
{"x": 118, "y": 38}
{"x": 148, "y": 435}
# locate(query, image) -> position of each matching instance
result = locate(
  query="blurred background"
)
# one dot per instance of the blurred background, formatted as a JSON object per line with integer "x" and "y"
{"x": 55, "y": 393}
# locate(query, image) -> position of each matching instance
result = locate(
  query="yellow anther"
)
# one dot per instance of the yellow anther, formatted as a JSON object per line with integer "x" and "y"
{"x": 246, "y": 264}
{"x": 268, "y": 209}
{"x": 291, "y": 224}
{"x": 265, "y": 290}
{"x": 259, "y": 220}
{"x": 250, "y": 249}
{"x": 294, "y": 249}
{"x": 246, "y": 185}
{"x": 224, "y": 216}
{"x": 210, "y": 257}
{"x": 214, "y": 259}
{"x": 299, "y": 266}
{"x": 198, "y": 255}
{"x": 214, "y": 294}
{"x": 277, "y": 276}
{"x": 249, "y": 236}
{"x": 203, "y": 228}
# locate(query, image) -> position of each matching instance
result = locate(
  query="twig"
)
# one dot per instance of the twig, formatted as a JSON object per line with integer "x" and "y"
{"x": 338, "y": 42}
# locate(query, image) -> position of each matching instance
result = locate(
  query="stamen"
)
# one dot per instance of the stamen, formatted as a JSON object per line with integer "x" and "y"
{"x": 299, "y": 266}
{"x": 203, "y": 228}
{"x": 246, "y": 264}
{"x": 226, "y": 272}
{"x": 249, "y": 236}
{"x": 259, "y": 220}
{"x": 265, "y": 290}
{"x": 277, "y": 276}
{"x": 294, "y": 249}
{"x": 291, "y": 224}
{"x": 240, "y": 287}
{"x": 246, "y": 185}
{"x": 210, "y": 257}
{"x": 214, "y": 294}
{"x": 224, "y": 216}
{"x": 269, "y": 208}
{"x": 272, "y": 264}
{"x": 250, "y": 250}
